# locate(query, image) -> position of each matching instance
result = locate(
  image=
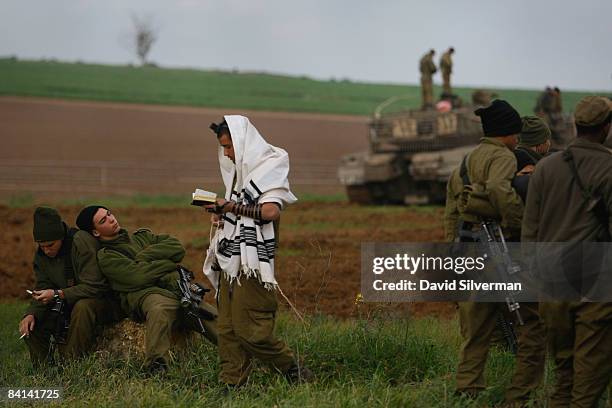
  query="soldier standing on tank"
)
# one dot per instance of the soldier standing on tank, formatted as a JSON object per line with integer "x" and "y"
{"x": 557, "y": 105}
{"x": 427, "y": 68}
{"x": 579, "y": 333}
{"x": 446, "y": 66}
{"x": 493, "y": 165}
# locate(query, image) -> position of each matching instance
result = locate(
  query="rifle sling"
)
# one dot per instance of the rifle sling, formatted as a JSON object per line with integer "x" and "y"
{"x": 599, "y": 209}
{"x": 463, "y": 171}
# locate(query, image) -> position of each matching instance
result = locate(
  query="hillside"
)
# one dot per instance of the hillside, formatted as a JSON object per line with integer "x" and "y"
{"x": 217, "y": 89}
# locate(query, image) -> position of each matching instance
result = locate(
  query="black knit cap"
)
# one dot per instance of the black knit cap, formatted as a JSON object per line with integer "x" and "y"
{"x": 48, "y": 225}
{"x": 85, "y": 218}
{"x": 499, "y": 119}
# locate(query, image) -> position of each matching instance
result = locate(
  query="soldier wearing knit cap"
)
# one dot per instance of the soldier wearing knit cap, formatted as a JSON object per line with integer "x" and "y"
{"x": 534, "y": 144}
{"x": 490, "y": 168}
{"x": 65, "y": 270}
{"x": 579, "y": 333}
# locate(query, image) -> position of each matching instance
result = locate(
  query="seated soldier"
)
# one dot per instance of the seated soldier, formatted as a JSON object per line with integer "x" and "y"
{"x": 66, "y": 273}
{"x": 142, "y": 267}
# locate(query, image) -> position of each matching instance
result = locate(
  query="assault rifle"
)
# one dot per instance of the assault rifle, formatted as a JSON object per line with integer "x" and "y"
{"x": 491, "y": 235}
{"x": 192, "y": 294}
{"x": 62, "y": 324}
{"x": 507, "y": 329}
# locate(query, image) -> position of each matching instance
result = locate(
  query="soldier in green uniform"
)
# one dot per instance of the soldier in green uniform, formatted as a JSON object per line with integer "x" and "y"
{"x": 534, "y": 144}
{"x": 141, "y": 267}
{"x": 240, "y": 261}
{"x": 446, "y": 66}
{"x": 427, "y": 69}
{"x": 66, "y": 270}
{"x": 579, "y": 333}
{"x": 491, "y": 167}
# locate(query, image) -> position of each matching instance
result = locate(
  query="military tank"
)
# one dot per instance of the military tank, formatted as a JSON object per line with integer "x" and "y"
{"x": 411, "y": 154}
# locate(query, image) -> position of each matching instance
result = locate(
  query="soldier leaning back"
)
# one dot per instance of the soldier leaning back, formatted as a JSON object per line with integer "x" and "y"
{"x": 141, "y": 267}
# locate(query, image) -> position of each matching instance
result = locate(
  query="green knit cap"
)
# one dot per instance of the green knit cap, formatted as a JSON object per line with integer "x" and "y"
{"x": 48, "y": 225}
{"x": 534, "y": 131}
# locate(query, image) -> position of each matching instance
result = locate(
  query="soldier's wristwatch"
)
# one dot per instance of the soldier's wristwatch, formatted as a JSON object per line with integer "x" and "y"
{"x": 56, "y": 294}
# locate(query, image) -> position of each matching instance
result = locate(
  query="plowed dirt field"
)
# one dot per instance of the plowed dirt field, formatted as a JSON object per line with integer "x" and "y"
{"x": 318, "y": 264}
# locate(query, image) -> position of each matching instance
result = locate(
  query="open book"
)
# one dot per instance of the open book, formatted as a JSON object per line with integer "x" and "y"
{"x": 203, "y": 197}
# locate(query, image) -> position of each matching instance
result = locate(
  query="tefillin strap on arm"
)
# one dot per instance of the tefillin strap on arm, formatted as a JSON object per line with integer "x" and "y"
{"x": 250, "y": 210}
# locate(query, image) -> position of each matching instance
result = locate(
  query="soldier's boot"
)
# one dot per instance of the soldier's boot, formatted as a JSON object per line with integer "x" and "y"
{"x": 299, "y": 374}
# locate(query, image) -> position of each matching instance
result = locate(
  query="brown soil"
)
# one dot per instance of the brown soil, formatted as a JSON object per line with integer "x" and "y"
{"x": 71, "y": 148}
{"x": 318, "y": 265}
{"x": 86, "y": 147}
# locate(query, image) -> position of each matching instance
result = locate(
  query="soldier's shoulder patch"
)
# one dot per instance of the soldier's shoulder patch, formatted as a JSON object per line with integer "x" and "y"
{"x": 141, "y": 230}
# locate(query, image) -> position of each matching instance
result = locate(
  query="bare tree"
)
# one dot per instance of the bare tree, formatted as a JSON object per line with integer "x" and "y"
{"x": 144, "y": 36}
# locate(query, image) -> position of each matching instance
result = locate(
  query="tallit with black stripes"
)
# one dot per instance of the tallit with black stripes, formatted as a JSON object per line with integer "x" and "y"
{"x": 245, "y": 246}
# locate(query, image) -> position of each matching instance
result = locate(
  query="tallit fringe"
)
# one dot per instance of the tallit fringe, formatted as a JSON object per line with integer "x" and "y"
{"x": 250, "y": 273}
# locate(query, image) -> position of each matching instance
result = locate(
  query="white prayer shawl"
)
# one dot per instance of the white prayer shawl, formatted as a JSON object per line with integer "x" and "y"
{"x": 246, "y": 246}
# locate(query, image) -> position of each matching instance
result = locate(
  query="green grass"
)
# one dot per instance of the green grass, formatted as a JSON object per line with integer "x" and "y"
{"x": 219, "y": 89}
{"x": 143, "y": 200}
{"x": 373, "y": 362}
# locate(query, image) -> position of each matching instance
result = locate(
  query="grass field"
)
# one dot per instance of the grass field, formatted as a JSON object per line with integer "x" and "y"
{"x": 22, "y": 200}
{"x": 363, "y": 354}
{"x": 221, "y": 89}
{"x": 371, "y": 361}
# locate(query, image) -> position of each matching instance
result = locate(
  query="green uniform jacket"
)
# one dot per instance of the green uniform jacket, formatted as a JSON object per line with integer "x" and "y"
{"x": 492, "y": 165}
{"x": 50, "y": 273}
{"x": 90, "y": 283}
{"x": 80, "y": 281}
{"x": 427, "y": 66}
{"x": 139, "y": 264}
{"x": 446, "y": 63}
{"x": 555, "y": 210}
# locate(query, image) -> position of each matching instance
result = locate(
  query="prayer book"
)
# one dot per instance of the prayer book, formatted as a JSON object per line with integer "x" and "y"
{"x": 202, "y": 197}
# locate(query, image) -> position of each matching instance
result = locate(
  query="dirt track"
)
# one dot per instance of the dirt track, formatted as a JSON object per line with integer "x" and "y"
{"x": 51, "y": 145}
